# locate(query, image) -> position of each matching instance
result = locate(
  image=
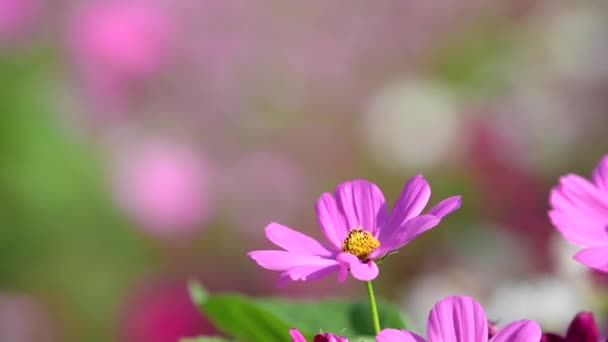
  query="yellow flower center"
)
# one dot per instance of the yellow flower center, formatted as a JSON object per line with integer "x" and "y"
{"x": 360, "y": 243}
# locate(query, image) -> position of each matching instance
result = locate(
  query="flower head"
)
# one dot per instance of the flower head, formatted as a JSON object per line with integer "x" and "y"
{"x": 359, "y": 230}
{"x": 582, "y": 329}
{"x": 462, "y": 319}
{"x": 580, "y": 213}
{"x": 296, "y": 336}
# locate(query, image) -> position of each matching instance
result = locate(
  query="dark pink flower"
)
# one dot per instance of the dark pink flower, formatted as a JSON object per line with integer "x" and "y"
{"x": 162, "y": 311}
{"x": 359, "y": 229}
{"x": 296, "y": 336}
{"x": 582, "y": 329}
{"x": 580, "y": 213}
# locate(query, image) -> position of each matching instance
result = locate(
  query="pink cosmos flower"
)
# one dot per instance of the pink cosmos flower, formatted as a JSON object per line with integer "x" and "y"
{"x": 580, "y": 213}
{"x": 359, "y": 230}
{"x": 296, "y": 336}
{"x": 582, "y": 329}
{"x": 118, "y": 45}
{"x": 462, "y": 319}
{"x": 165, "y": 187}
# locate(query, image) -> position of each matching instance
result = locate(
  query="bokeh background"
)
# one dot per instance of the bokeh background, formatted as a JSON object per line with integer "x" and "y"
{"x": 144, "y": 143}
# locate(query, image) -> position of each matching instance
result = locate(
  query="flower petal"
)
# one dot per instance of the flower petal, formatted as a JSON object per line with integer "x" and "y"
{"x": 296, "y": 336}
{"x": 331, "y": 220}
{"x": 306, "y": 273}
{"x": 520, "y": 331}
{"x": 408, "y": 232}
{"x": 446, "y": 206}
{"x": 457, "y": 319}
{"x": 580, "y": 211}
{"x": 412, "y": 200}
{"x": 294, "y": 241}
{"x": 600, "y": 174}
{"x": 594, "y": 257}
{"x": 284, "y": 260}
{"x": 360, "y": 270}
{"x": 583, "y": 328}
{"x": 362, "y": 204}
{"x": 394, "y": 335}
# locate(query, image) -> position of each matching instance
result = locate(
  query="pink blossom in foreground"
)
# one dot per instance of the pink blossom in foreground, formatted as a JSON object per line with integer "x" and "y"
{"x": 580, "y": 213}
{"x": 164, "y": 187}
{"x": 582, "y": 329}
{"x": 359, "y": 229}
{"x": 119, "y": 44}
{"x": 462, "y": 319}
{"x": 296, "y": 336}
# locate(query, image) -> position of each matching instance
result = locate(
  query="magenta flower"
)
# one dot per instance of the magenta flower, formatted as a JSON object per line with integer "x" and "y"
{"x": 462, "y": 319}
{"x": 296, "y": 336}
{"x": 359, "y": 229}
{"x": 580, "y": 213}
{"x": 582, "y": 329}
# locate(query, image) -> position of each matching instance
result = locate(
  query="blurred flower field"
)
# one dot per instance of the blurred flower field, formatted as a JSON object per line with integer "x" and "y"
{"x": 147, "y": 143}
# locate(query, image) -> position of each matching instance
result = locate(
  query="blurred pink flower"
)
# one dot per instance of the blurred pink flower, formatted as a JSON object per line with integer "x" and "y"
{"x": 461, "y": 318}
{"x": 119, "y": 44}
{"x": 164, "y": 187}
{"x": 581, "y": 329}
{"x": 162, "y": 311}
{"x": 23, "y": 319}
{"x": 359, "y": 229}
{"x": 17, "y": 17}
{"x": 579, "y": 211}
{"x": 296, "y": 336}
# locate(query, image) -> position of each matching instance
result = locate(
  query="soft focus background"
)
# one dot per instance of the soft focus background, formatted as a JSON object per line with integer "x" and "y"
{"x": 143, "y": 143}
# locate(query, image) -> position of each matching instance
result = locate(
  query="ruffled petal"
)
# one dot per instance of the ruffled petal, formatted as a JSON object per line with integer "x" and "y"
{"x": 331, "y": 220}
{"x": 520, "y": 331}
{"x": 360, "y": 270}
{"x": 457, "y": 319}
{"x": 418, "y": 225}
{"x": 294, "y": 241}
{"x": 412, "y": 200}
{"x": 306, "y": 273}
{"x": 600, "y": 174}
{"x": 394, "y": 335}
{"x": 446, "y": 206}
{"x": 284, "y": 260}
{"x": 408, "y": 232}
{"x": 595, "y": 257}
{"x": 296, "y": 336}
{"x": 580, "y": 211}
{"x": 362, "y": 204}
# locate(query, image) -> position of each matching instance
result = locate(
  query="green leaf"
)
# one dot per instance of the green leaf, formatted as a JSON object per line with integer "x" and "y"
{"x": 242, "y": 318}
{"x": 269, "y": 319}
{"x": 390, "y": 317}
{"x": 339, "y": 316}
{"x": 198, "y": 293}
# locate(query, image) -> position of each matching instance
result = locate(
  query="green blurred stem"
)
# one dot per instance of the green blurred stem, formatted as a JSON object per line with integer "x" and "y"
{"x": 372, "y": 304}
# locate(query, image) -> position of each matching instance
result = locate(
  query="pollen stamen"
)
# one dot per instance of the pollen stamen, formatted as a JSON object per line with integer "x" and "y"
{"x": 360, "y": 243}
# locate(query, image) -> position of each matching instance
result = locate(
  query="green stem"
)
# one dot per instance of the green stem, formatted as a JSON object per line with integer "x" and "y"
{"x": 372, "y": 304}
